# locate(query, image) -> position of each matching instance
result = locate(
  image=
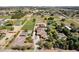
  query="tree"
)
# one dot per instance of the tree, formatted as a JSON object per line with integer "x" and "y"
{"x": 56, "y": 44}
{"x": 55, "y": 35}
{"x": 50, "y": 18}
{"x": 45, "y": 18}
{"x": 12, "y": 28}
{"x": 51, "y": 14}
{"x": 72, "y": 42}
{"x": 72, "y": 24}
{"x": 59, "y": 28}
{"x": 61, "y": 43}
{"x": 34, "y": 20}
{"x": 8, "y": 23}
{"x": 77, "y": 45}
{"x": 66, "y": 31}
{"x": 47, "y": 45}
{"x": 62, "y": 24}
{"x": 42, "y": 16}
{"x": 63, "y": 19}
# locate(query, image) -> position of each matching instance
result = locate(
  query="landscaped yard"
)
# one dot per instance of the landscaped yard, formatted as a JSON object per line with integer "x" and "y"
{"x": 29, "y": 25}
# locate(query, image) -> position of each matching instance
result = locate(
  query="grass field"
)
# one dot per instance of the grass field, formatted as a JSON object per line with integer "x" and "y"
{"x": 7, "y": 17}
{"x": 29, "y": 25}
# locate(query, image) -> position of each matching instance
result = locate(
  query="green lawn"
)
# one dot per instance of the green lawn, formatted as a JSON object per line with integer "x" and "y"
{"x": 7, "y": 17}
{"x": 29, "y": 25}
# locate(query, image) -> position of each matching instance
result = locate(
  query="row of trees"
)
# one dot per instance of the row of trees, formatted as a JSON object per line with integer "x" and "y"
{"x": 71, "y": 43}
{"x": 18, "y": 14}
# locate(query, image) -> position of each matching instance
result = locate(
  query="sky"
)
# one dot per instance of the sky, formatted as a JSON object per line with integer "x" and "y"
{"x": 39, "y": 3}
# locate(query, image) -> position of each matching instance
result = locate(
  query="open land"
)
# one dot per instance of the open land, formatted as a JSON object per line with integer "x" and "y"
{"x": 43, "y": 29}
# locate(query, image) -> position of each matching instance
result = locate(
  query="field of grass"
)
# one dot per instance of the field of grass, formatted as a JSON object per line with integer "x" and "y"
{"x": 29, "y": 25}
{"x": 7, "y": 17}
{"x": 67, "y": 21}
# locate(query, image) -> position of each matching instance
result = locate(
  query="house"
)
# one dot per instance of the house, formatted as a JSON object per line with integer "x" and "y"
{"x": 41, "y": 31}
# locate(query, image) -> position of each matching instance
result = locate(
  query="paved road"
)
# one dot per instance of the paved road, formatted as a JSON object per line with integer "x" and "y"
{"x": 35, "y": 38}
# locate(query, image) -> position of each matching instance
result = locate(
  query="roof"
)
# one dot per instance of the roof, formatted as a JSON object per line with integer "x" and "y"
{"x": 61, "y": 35}
{"x": 68, "y": 27}
{"x": 41, "y": 32}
